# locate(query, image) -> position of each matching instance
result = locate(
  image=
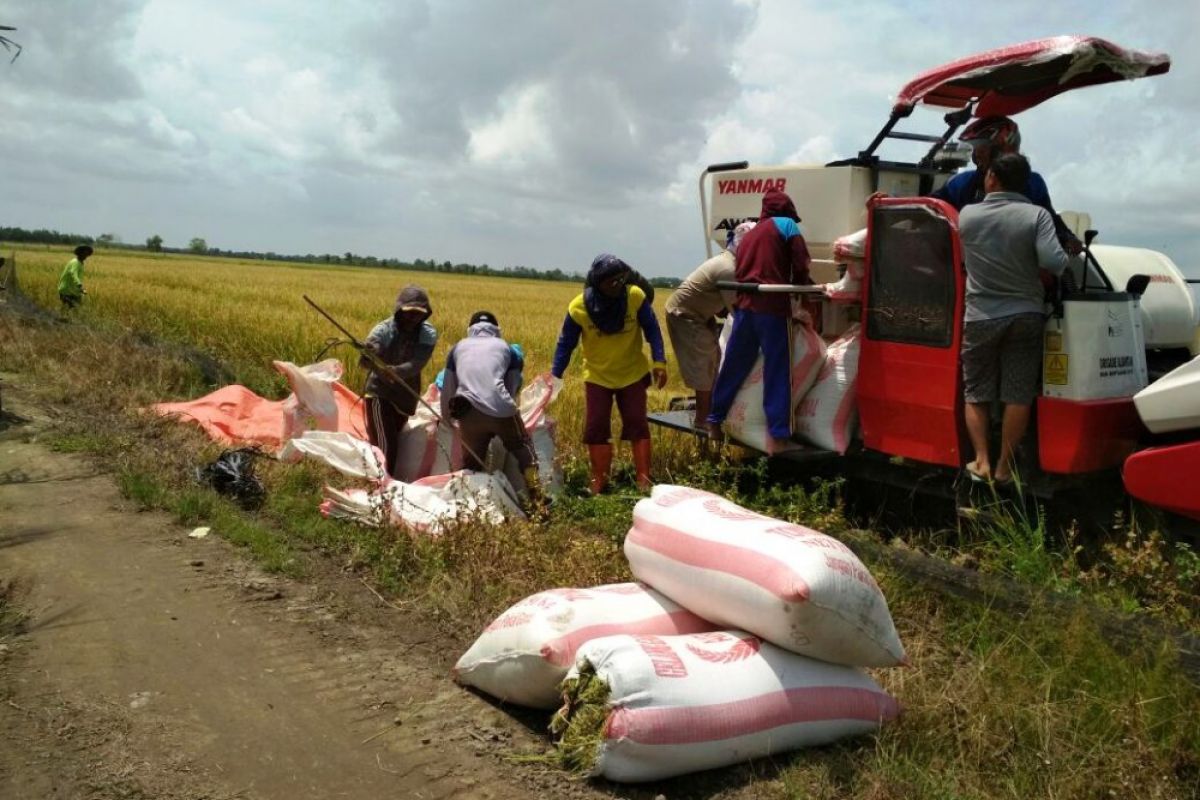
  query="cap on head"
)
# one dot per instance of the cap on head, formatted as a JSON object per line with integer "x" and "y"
{"x": 484, "y": 316}
{"x": 1001, "y": 132}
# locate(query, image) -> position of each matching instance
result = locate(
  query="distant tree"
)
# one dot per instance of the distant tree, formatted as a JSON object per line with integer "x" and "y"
{"x": 198, "y": 245}
{"x": 154, "y": 244}
{"x": 107, "y": 239}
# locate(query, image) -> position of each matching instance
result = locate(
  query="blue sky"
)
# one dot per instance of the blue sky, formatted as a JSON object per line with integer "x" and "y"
{"x": 534, "y": 133}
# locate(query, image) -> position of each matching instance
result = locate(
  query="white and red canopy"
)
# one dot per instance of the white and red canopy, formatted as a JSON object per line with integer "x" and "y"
{"x": 1010, "y": 79}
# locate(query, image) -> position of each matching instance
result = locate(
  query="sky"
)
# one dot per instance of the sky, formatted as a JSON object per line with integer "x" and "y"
{"x": 522, "y": 132}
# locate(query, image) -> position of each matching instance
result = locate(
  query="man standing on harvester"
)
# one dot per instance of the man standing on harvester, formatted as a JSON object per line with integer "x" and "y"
{"x": 1006, "y": 240}
{"x": 479, "y": 391}
{"x": 404, "y": 342}
{"x": 774, "y": 252}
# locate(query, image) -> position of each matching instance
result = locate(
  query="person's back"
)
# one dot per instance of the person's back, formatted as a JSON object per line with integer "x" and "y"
{"x": 698, "y": 296}
{"x": 1006, "y": 240}
{"x": 486, "y": 370}
{"x": 773, "y": 252}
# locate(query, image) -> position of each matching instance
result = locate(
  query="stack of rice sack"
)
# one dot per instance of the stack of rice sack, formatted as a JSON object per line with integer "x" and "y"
{"x": 850, "y": 251}
{"x": 827, "y": 415}
{"x": 799, "y": 611}
{"x": 746, "y": 421}
{"x": 747, "y": 645}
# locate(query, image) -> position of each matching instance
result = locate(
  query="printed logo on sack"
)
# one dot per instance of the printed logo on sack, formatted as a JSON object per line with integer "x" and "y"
{"x": 740, "y": 650}
{"x": 677, "y": 496}
{"x": 724, "y": 510}
{"x": 509, "y": 621}
{"x": 666, "y": 662}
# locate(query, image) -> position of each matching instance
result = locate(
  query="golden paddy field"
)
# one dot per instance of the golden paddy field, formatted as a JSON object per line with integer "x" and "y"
{"x": 248, "y": 312}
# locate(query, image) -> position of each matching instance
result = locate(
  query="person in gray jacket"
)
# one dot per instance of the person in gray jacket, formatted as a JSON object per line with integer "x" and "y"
{"x": 404, "y": 342}
{"x": 479, "y": 391}
{"x": 1006, "y": 241}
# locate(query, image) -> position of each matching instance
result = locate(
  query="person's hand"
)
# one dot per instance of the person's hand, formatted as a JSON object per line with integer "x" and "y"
{"x": 660, "y": 377}
{"x": 1073, "y": 246}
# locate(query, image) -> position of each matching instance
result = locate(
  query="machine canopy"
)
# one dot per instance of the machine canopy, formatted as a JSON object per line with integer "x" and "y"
{"x": 1008, "y": 80}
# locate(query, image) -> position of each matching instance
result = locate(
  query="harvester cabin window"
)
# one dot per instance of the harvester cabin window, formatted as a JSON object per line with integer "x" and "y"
{"x": 912, "y": 277}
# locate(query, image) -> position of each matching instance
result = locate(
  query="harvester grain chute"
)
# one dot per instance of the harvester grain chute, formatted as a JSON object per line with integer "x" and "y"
{"x": 1129, "y": 318}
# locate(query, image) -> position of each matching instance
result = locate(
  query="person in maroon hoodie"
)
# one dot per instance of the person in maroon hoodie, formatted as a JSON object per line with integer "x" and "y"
{"x": 771, "y": 253}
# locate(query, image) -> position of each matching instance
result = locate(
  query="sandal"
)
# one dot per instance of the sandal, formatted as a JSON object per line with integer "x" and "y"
{"x": 975, "y": 475}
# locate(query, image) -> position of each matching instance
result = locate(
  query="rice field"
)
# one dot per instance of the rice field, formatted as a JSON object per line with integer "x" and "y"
{"x": 248, "y": 313}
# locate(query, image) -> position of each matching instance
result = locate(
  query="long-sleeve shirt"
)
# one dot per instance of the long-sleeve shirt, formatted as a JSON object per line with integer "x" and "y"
{"x": 1006, "y": 240}
{"x": 774, "y": 252}
{"x": 485, "y": 370}
{"x": 611, "y": 360}
{"x": 406, "y": 352}
{"x": 70, "y": 283}
{"x": 698, "y": 297}
{"x": 966, "y": 188}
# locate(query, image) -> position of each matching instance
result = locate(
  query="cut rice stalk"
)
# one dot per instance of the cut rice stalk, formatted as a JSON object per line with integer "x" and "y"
{"x": 578, "y": 727}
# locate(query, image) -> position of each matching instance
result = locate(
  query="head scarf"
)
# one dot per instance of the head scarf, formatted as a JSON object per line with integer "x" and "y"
{"x": 738, "y": 234}
{"x": 413, "y": 298}
{"x": 606, "y": 313}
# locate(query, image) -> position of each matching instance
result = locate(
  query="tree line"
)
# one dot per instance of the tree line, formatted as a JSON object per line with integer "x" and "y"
{"x": 199, "y": 246}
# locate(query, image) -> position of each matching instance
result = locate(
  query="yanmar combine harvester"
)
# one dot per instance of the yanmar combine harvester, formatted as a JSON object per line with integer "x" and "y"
{"x": 1120, "y": 388}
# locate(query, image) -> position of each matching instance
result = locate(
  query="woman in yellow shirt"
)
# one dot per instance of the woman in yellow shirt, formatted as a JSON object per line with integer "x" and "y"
{"x": 610, "y": 318}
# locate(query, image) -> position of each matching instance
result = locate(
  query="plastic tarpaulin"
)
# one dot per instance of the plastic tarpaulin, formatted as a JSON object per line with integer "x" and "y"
{"x": 235, "y": 415}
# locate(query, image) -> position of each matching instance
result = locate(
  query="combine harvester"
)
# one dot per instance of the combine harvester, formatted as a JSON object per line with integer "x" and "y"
{"x": 1107, "y": 403}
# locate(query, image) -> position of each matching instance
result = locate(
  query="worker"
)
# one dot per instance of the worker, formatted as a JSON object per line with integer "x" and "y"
{"x": 773, "y": 252}
{"x": 403, "y": 343}
{"x": 1006, "y": 240}
{"x": 479, "y": 390}
{"x": 694, "y": 314}
{"x": 611, "y": 318}
{"x": 990, "y": 137}
{"x": 70, "y": 283}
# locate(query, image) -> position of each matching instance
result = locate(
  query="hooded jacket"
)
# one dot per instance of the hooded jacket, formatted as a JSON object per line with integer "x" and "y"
{"x": 772, "y": 253}
{"x": 485, "y": 370}
{"x": 406, "y": 352}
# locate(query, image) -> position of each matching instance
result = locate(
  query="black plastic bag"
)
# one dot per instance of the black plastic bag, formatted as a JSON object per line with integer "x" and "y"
{"x": 232, "y": 475}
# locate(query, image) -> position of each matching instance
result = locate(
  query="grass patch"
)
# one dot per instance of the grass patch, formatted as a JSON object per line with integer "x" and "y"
{"x": 12, "y": 615}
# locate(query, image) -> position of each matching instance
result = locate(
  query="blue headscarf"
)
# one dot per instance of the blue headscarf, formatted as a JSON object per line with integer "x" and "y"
{"x": 606, "y": 313}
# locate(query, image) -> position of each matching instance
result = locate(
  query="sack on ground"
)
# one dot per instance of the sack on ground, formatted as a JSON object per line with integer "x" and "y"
{"x": 827, "y": 416}
{"x": 311, "y": 406}
{"x": 747, "y": 421}
{"x": 641, "y": 708}
{"x": 430, "y": 504}
{"x": 525, "y": 653}
{"x": 795, "y": 587}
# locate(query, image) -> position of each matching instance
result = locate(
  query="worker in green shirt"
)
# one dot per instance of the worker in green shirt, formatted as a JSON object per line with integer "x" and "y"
{"x": 70, "y": 284}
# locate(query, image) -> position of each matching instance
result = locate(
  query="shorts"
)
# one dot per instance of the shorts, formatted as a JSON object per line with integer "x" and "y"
{"x": 631, "y": 403}
{"x": 1002, "y": 359}
{"x": 697, "y": 349}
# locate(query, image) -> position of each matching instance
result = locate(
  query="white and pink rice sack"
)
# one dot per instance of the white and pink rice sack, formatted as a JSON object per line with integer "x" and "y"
{"x": 747, "y": 421}
{"x": 681, "y": 704}
{"x": 525, "y": 653}
{"x": 827, "y": 416}
{"x": 797, "y": 588}
{"x": 852, "y": 246}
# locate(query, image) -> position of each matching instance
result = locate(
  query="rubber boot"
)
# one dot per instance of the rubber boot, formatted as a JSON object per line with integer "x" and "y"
{"x": 601, "y": 456}
{"x": 641, "y": 464}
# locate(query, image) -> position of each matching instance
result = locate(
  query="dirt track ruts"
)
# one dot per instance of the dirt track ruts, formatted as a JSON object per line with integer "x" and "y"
{"x": 157, "y": 665}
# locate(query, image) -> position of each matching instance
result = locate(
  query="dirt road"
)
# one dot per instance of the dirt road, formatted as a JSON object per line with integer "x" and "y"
{"x": 158, "y": 665}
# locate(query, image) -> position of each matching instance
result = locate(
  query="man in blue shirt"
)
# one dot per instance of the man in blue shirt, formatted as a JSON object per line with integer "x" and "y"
{"x": 991, "y": 137}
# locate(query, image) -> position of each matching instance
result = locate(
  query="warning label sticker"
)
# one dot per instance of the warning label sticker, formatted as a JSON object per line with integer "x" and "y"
{"x": 1056, "y": 369}
{"x": 1053, "y": 341}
